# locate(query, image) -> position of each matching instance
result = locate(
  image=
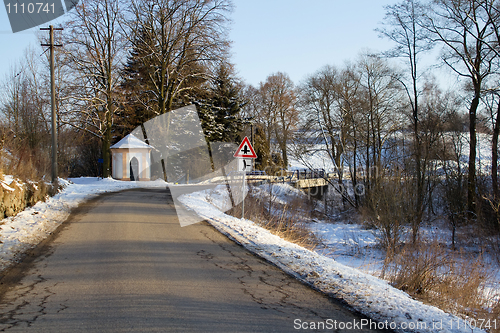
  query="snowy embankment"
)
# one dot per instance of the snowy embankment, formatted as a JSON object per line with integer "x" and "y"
{"x": 28, "y": 228}
{"x": 367, "y": 294}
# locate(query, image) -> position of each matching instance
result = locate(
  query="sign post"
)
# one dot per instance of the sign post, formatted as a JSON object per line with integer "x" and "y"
{"x": 245, "y": 153}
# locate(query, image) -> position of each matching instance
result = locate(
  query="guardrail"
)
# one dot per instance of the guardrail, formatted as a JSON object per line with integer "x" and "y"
{"x": 295, "y": 176}
{"x": 308, "y": 174}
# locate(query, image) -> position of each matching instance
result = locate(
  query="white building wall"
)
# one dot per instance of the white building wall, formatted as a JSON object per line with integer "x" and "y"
{"x": 119, "y": 165}
{"x": 121, "y": 171}
{"x": 148, "y": 166}
{"x": 117, "y": 170}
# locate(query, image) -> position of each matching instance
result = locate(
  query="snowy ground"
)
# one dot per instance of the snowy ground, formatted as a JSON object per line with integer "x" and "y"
{"x": 317, "y": 158}
{"x": 363, "y": 292}
{"x": 354, "y": 245}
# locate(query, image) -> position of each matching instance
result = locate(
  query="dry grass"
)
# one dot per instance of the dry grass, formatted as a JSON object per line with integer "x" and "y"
{"x": 416, "y": 268}
{"x": 25, "y": 164}
{"x": 452, "y": 281}
{"x": 287, "y": 224}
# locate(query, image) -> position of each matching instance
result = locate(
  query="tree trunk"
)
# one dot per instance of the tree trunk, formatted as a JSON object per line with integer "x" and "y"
{"x": 494, "y": 154}
{"x": 106, "y": 152}
{"x": 453, "y": 233}
{"x": 417, "y": 219}
{"x": 354, "y": 164}
{"x": 471, "y": 181}
{"x": 106, "y": 141}
{"x": 285, "y": 156}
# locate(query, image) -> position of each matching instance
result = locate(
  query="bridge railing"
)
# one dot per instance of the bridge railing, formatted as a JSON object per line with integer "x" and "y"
{"x": 289, "y": 175}
{"x": 308, "y": 174}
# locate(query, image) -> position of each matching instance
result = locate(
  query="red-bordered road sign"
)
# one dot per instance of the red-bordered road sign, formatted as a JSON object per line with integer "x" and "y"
{"x": 245, "y": 150}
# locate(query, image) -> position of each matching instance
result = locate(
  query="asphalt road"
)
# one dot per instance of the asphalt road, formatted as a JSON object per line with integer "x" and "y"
{"x": 122, "y": 263}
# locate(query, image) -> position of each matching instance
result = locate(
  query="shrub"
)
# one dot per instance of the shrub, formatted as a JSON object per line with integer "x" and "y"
{"x": 284, "y": 220}
{"x": 452, "y": 281}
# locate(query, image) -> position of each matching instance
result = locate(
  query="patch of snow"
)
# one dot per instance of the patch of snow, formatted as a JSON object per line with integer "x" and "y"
{"x": 131, "y": 142}
{"x": 7, "y": 187}
{"x": 35, "y": 186}
{"x": 8, "y": 179}
{"x": 281, "y": 193}
{"x": 316, "y": 157}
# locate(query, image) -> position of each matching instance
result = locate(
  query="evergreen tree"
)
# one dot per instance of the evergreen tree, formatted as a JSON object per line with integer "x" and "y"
{"x": 139, "y": 102}
{"x": 139, "y": 90}
{"x": 219, "y": 107}
{"x": 262, "y": 149}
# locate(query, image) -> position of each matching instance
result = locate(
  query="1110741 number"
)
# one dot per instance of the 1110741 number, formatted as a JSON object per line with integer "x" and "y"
{"x": 31, "y": 8}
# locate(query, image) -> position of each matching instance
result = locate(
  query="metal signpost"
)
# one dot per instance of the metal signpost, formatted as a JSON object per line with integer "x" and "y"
{"x": 245, "y": 154}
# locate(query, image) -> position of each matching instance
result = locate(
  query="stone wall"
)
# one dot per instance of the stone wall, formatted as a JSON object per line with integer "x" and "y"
{"x": 16, "y": 196}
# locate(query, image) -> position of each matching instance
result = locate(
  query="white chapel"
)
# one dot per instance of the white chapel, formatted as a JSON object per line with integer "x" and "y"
{"x": 131, "y": 159}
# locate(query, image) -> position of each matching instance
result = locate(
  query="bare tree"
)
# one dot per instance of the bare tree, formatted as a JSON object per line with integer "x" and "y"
{"x": 492, "y": 10}
{"x": 381, "y": 114}
{"x": 278, "y": 110}
{"x": 402, "y": 25}
{"x": 491, "y": 100}
{"x": 495, "y": 119}
{"x": 354, "y": 110}
{"x": 94, "y": 49}
{"x": 329, "y": 97}
{"x": 455, "y": 187}
{"x": 24, "y": 104}
{"x": 320, "y": 98}
{"x": 12, "y": 99}
{"x": 463, "y": 28}
{"x": 176, "y": 43}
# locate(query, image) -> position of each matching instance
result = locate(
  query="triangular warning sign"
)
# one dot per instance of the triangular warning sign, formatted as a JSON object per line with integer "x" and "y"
{"x": 245, "y": 150}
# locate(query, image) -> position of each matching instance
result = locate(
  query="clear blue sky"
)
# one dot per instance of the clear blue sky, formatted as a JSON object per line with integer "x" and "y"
{"x": 293, "y": 36}
{"x": 13, "y": 45}
{"x": 299, "y": 37}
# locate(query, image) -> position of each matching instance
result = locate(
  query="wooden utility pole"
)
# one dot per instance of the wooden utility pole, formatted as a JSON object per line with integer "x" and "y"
{"x": 53, "y": 100}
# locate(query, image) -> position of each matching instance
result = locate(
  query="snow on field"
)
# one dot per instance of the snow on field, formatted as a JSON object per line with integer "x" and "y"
{"x": 317, "y": 158}
{"x": 25, "y": 230}
{"x": 314, "y": 156}
{"x": 363, "y": 292}
{"x": 282, "y": 193}
{"x": 349, "y": 244}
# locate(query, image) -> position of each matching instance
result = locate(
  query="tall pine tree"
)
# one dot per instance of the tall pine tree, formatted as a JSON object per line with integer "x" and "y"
{"x": 139, "y": 103}
{"x": 219, "y": 107}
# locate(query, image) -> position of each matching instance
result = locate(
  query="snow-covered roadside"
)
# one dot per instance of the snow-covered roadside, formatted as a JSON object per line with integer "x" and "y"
{"x": 25, "y": 230}
{"x": 367, "y": 294}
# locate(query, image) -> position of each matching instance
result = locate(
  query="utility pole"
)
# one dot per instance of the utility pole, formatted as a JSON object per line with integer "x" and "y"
{"x": 53, "y": 100}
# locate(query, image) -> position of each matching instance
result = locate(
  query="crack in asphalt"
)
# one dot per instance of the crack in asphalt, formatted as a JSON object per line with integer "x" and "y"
{"x": 276, "y": 295}
{"x": 28, "y": 303}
